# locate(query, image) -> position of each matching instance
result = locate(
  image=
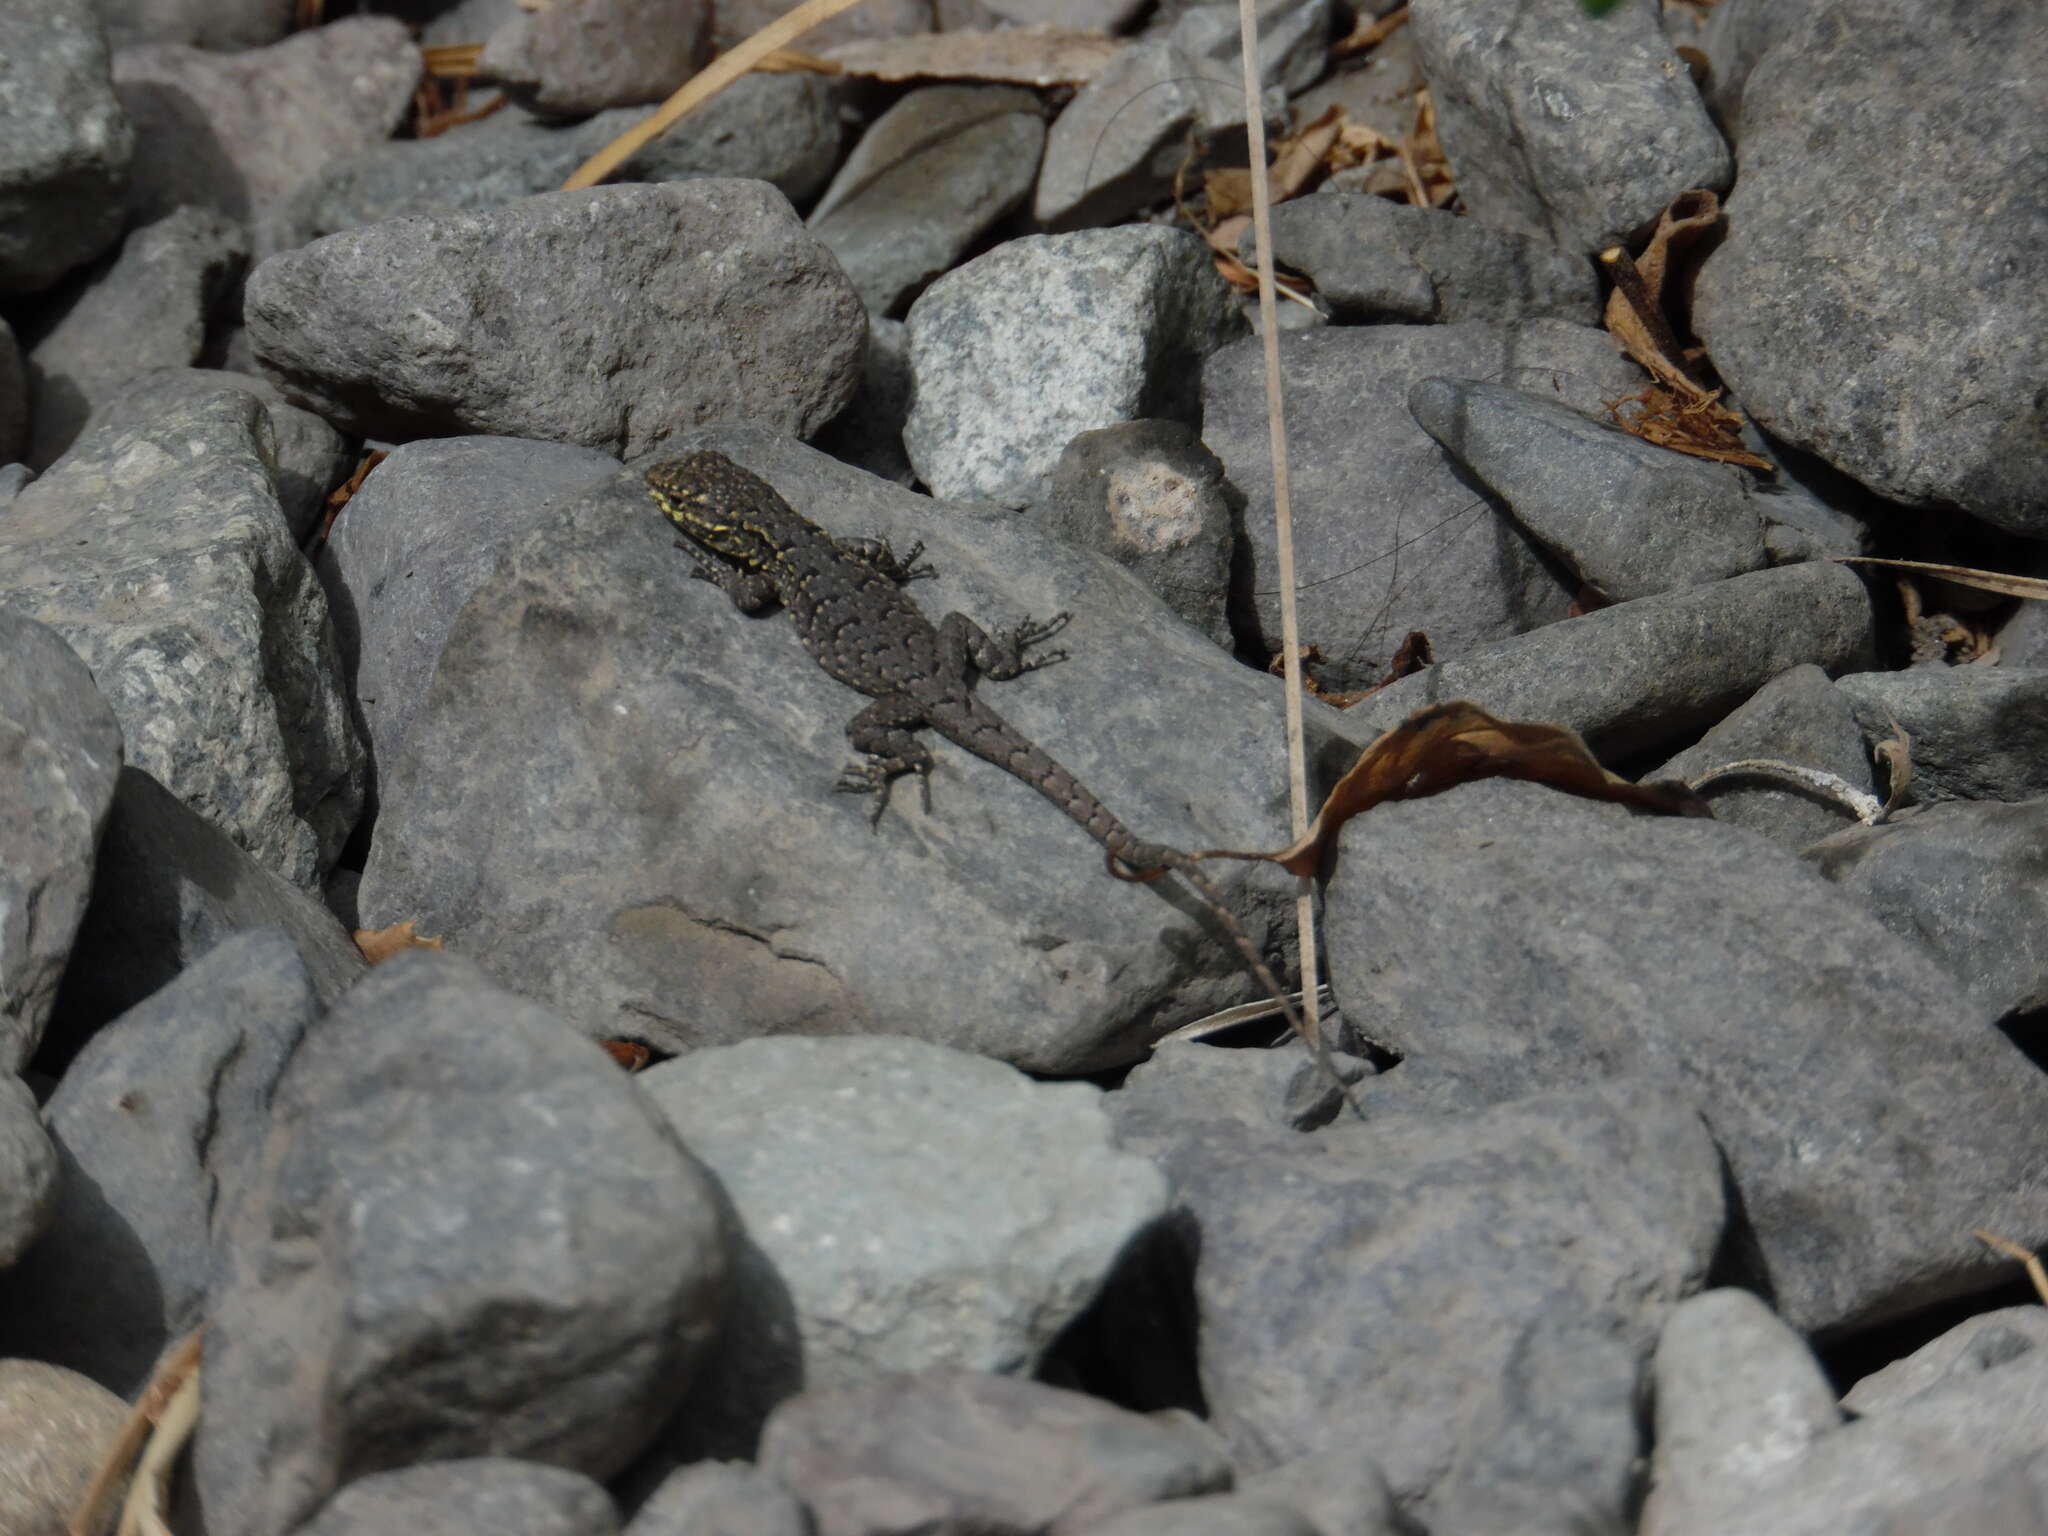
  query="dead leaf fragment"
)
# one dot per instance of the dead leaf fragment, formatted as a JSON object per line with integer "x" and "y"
{"x": 1963, "y": 575}
{"x": 1459, "y": 743}
{"x": 1369, "y": 34}
{"x": 379, "y": 944}
{"x": 1017, "y": 55}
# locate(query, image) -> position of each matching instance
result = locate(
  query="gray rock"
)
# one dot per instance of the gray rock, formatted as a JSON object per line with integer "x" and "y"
{"x": 1373, "y": 260}
{"x": 237, "y": 132}
{"x": 12, "y": 478}
{"x": 150, "y": 309}
{"x": 954, "y": 1450}
{"x": 13, "y": 399}
{"x": 160, "y": 553}
{"x": 1973, "y": 1346}
{"x": 829, "y": 1150}
{"x": 1116, "y": 146}
{"x": 1964, "y": 880}
{"x": 1388, "y": 537}
{"x": 458, "y": 1498}
{"x": 1468, "y": 1299}
{"x": 1631, "y": 519}
{"x": 868, "y": 434}
{"x": 1564, "y": 125}
{"x": 1738, "y": 1397}
{"x": 713, "y": 1498}
{"x": 1378, "y": 91}
{"x": 1590, "y": 938}
{"x": 1948, "y": 1451}
{"x": 1979, "y": 733}
{"x": 1062, "y": 15}
{"x": 2023, "y": 638}
{"x": 1294, "y": 42}
{"x": 582, "y": 802}
{"x": 64, "y": 160}
{"x": 423, "y": 533}
{"x": 62, "y": 749}
{"x": 1342, "y": 1492}
{"x": 1149, "y": 496}
{"x": 1219, "y": 1514}
{"x": 156, "y": 1120}
{"x": 1049, "y": 336}
{"x": 1639, "y": 676}
{"x": 572, "y": 60}
{"x": 221, "y": 25}
{"x": 1917, "y": 376}
{"x": 655, "y": 320}
{"x": 168, "y": 887}
{"x": 1798, "y": 717}
{"x": 776, "y": 128}
{"x": 934, "y": 174}
{"x": 55, "y": 1426}
{"x": 1280, "y": 1086}
{"x": 308, "y": 458}
{"x": 736, "y": 20}
{"x": 1738, "y": 33}
{"x": 28, "y": 1174}
{"x": 467, "y": 1235}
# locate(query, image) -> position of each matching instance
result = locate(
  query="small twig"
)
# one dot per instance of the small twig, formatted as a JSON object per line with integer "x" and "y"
{"x": 2026, "y": 1256}
{"x": 181, "y": 1362}
{"x": 1864, "y": 806}
{"x": 1243, "y": 1013}
{"x": 149, "y": 1496}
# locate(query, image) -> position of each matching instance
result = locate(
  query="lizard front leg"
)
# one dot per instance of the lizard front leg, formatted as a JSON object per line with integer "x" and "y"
{"x": 877, "y": 553}
{"x": 882, "y": 734}
{"x": 750, "y": 591}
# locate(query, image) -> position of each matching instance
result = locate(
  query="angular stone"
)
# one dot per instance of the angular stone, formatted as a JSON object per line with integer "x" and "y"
{"x": 713, "y": 1498}
{"x": 1979, "y": 733}
{"x": 64, "y": 158}
{"x": 149, "y": 310}
{"x": 934, "y": 173}
{"x": 60, "y": 754}
{"x": 1629, "y": 518}
{"x": 156, "y": 1120}
{"x": 571, "y": 60}
{"x": 1906, "y": 350}
{"x": 1974, "y": 1345}
{"x": 1859, "y": 1096}
{"x": 583, "y": 809}
{"x": 1389, "y": 537}
{"x": 873, "y": 1265}
{"x": 467, "y": 1235}
{"x": 28, "y": 1174}
{"x": 1375, "y": 261}
{"x": 1565, "y": 125}
{"x": 654, "y": 321}
{"x": 955, "y": 1450}
{"x": 160, "y": 552}
{"x": 225, "y": 26}
{"x": 1965, "y": 880}
{"x": 478, "y": 1493}
{"x": 1052, "y": 335}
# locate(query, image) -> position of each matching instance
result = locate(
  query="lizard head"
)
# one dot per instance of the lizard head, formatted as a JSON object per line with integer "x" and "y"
{"x": 725, "y": 509}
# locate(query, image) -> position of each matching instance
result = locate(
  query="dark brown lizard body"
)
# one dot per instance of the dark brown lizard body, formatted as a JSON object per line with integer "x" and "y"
{"x": 854, "y": 618}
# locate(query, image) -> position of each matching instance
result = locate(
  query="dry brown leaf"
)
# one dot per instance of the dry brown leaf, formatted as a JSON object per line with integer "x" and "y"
{"x": 1962, "y": 575}
{"x": 1896, "y": 753}
{"x": 453, "y": 61}
{"x": 1698, "y": 424}
{"x": 1368, "y": 35}
{"x": 2026, "y": 1256}
{"x": 632, "y": 1055}
{"x": 793, "y": 61}
{"x": 1425, "y": 168}
{"x": 1018, "y": 55}
{"x": 1458, "y": 743}
{"x": 380, "y": 944}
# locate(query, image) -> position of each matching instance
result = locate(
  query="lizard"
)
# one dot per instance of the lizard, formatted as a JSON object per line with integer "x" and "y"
{"x": 847, "y": 600}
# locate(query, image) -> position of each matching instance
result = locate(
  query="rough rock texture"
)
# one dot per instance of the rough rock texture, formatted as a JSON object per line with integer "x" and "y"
{"x": 155, "y": 1120}
{"x": 149, "y": 310}
{"x": 222, "y": 25}
{"x": 1373, "y": 260}
{"x": 1859, "y": 1096}
{"x": 478, "y": 1493}
{"x": 1974, "y": 1345}
{"x": 638, "y": 779}
{"x": 1389, "y": 536}
{"x": 1889, "y": 311}
{"x": 60, "y": 754}
{"x": 911, "y": 1207}
{"x": 588, "y": 55}
{"x": 1471, "y": 1296}
{"x": 64, "y": 157}
{"x": 55, "y": 1427}
{"x": 1561, "y": 124}
{"x": 237, "y": 132}
{"x": 160, "y": 552}
{"x": 1979, "y": 733}
{"x": 1970, "y": 881}
{"x": 467, "y": 1235}
{"x": 717, "y": 1498}
{"x": 956, "y": 1450}
{"x": 28, "y": 1173}
{"x": 1646, "y": 674}
{"x": 1627, "y": 517}
{"x": 931, "y": 176}
{"x": 1051, "y": 335}
{"x": 424, "y": 532}
{"x": 615, "y": 317}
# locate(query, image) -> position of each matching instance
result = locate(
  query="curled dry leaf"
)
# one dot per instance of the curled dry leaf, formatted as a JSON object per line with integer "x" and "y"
{"x": 1458, "y": 743}
{"x": 379, "y": 944}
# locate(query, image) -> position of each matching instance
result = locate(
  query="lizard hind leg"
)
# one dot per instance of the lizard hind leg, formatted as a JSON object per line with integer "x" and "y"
{"x": 883, "y": 735}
